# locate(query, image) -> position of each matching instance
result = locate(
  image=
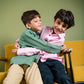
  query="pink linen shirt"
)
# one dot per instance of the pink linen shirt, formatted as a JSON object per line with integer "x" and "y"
{"x": 45, "y": 34}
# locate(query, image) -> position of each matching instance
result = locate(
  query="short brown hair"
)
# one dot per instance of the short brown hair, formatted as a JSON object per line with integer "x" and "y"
{"x": 28, "y": 16}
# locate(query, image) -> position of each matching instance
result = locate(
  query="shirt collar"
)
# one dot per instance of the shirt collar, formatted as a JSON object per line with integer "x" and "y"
{"x": 31, "y": 31}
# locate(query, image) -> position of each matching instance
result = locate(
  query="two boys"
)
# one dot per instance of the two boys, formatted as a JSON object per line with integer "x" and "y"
{"x": 30, "y": 38}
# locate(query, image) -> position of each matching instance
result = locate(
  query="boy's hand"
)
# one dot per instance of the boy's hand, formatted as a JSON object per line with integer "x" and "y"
{"x": 17, "y": 46}
{"x": 14, "y": 51}
{"x": 63, "y": 47}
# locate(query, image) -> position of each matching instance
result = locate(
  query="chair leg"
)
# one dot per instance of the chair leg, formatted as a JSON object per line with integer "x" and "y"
{"x": 65, "y": 63}
{"x": 71, "y": 70}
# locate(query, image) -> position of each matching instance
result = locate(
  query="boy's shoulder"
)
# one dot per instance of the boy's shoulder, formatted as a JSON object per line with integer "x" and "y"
{"x": 26, "y": 32}
{"x": 46, "y": 28}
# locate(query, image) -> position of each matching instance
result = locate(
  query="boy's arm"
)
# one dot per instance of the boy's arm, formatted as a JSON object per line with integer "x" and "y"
{"x": 29, "y": 51}
{"x": 40, "y": 44}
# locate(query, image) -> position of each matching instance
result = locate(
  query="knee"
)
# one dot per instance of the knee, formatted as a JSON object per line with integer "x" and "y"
{"x": 15, "y": 68}
{"x": 64, "y": 78}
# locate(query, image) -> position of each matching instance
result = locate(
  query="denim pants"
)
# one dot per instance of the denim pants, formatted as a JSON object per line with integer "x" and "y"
{"x": 53, "y": 71}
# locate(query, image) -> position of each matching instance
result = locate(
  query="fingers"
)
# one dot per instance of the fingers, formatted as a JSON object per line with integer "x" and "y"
{"x": 17, "y": 46}
{"x": 14, "y": 51}
{"x": 63, "y": 47}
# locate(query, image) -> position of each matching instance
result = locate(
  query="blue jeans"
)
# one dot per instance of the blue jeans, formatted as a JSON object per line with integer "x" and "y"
{"x": 53, "y": 71}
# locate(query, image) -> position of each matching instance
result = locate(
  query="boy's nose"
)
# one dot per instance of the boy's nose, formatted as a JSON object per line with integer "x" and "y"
{"x": 40, "y": 22}
{"x": 60, "y": 27}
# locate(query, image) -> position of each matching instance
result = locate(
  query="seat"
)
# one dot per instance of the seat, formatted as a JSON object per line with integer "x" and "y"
{"x": 8, "y": 56}
{"x": 76, "y": 67}
{"x": 77, "y": 58}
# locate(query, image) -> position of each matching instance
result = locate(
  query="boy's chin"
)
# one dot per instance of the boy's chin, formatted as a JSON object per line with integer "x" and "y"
{"x": 58, "y": 32}
{"x": 39, "y": 29}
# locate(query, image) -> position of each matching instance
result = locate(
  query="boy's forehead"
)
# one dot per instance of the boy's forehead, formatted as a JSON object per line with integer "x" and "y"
{"x": 58, "y": 19}
{"x": 37, "y": 16}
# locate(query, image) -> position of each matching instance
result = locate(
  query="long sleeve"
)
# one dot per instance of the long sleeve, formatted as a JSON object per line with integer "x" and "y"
{"x": 34, "y": 41}
{"x": 29, "y": 51}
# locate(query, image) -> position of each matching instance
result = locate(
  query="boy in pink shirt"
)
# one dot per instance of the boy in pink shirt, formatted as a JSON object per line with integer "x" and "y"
{"x": 51, "y": 65}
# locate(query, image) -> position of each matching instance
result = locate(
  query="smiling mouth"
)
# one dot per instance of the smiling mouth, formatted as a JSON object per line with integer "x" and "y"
{"x": 58, "y": 30}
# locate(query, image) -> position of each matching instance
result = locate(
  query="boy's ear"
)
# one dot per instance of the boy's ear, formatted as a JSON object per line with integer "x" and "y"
{"x": 28, "y": 25}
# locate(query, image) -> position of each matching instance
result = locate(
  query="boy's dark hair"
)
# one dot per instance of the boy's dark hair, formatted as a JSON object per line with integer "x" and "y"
{"x": 66, "y": 16}
{"x": 28, "y": 16}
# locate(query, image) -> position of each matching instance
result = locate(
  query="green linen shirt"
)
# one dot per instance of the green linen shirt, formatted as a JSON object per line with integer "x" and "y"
{"x": 30, "y": 38}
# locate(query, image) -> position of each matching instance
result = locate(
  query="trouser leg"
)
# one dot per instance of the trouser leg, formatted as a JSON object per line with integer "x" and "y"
{"x": 60, "y": 76}
{"x": 15, "y": 75}
{"x": 46, "y": 73}
{"x": 32, "y": 75}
